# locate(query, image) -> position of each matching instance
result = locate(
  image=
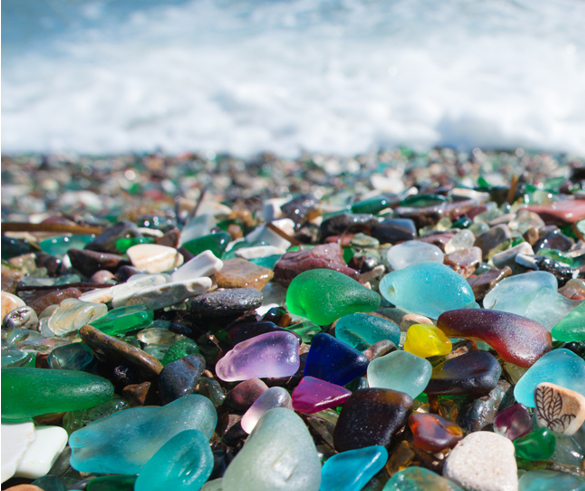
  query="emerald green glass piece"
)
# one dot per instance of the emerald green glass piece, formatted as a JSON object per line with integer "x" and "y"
{"x": 556, "y": 255}
{"x": 572, "y": 327}
{"x": 306, "y": 330}
{"x": 463, "y": 222}
{"x": 124, "y": 244}
{"x": 569, "y": 232}
{"x": 423, "y": 200}
{"x": 323, "y": 296}
{"x": 537, "y": 445}
{"x": 216, "y": 243}
{"x": 348, "y": 253}
{"x": 58, "y": 246}
{"x": 516, "y": 241}
{"x": 124, "y": 319}
{"x": 112, "y": 483}
{"x": 183, "y": 347}
{"x": 28, "y": 392}
{"x": 266, "y": 262}
{"x": 224, "y": 224}
{"x": 372, "y": 205}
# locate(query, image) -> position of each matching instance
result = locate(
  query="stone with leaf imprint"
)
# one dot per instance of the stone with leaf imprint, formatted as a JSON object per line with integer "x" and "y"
{"x": 558, "y": 409}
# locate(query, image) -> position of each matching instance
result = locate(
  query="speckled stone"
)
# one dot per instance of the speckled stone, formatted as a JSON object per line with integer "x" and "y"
{"x": 226, "y": 303}
{"x": 483, "y": 461}
{"x": 241, "y": 273}
{"x": 117, "y": 350}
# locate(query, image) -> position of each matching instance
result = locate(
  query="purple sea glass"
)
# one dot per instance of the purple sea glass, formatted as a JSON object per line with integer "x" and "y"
{"x": 513, "y": 422}
{"x": 273, "y": 354}
{"x": 313, "y": 395}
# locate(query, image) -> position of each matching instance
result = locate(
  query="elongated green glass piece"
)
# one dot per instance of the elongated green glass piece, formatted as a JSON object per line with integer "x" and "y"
{"x": 28, "y": 392}
{"x": 125, "y": 319}
{"x": 124, "y": 244}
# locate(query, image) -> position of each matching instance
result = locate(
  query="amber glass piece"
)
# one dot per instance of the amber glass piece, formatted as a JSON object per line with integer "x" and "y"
{"x": 433, "y": 433}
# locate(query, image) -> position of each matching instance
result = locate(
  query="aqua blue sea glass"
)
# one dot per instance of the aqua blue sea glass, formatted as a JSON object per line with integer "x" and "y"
{"x": 123, "y": 442}
{"x": 74, "y": 356}
{"x": 125, "y": 319}
{"x": 427, "y": 288}
{"x": 561, "y": 367}
{"x": 351, "y": 470}
{"x": 360, "y": 331}
{"x": 419, "y": 479}
{"x": 184, "y": 463}
{"x": 58, "y": 246}
{"x": 401, "y": 371}
{"x": 334, "y": 361}
{"x": 547, "y": 480}
{"x": 266, "y": 262}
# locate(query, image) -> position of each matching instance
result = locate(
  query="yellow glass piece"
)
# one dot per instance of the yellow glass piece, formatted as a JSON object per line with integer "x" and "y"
{"x": 426, "y": 340}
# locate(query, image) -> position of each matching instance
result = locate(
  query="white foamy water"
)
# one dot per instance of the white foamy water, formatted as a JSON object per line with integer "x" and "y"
{"x": 340, "y": 76}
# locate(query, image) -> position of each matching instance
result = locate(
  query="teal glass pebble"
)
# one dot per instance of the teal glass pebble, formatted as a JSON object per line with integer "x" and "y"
{"x": 419, "y": 479}
{"x": 561, "y": 367}
{"x": 184, "y": 463}
{"x": 216, "y": 243}
{"x": 360, "y": 331}
{"x": 112, "y": 483}
{"x": 401, "y": 371}
{"x": 372, "y": 205}
{"x": 427, "y": 288}
{"x": 123, "y": 442}
{"x": 59, "y": 246}
{"x": 351, "y": 470}
{"x": 550, "y": 480}
{"x": 124, "y": 319}
{"x": 266, "y": 262}
{"x": 74, "y": 356}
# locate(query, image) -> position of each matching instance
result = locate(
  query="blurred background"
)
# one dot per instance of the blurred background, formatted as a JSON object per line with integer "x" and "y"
{"x": 334, "y": 76}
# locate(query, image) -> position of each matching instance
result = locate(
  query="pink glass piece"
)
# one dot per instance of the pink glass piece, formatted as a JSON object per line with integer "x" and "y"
{"x": 513, "y": 422}
{"x": 273, "y": 354}
{"x": 273, "y": 397}
{"x": 313, "y": 395}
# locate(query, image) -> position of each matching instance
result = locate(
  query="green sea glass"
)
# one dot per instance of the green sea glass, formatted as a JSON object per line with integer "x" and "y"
{"x": 371, "y": 206}
{"x": 179, "y": 349}
{"x": 572, "y": 327}
{"x": 124, "y": 319}
{"x": 28, "y": 392}
{"x": 324, "y": 296}
{"x": 216, "y": 243}
{"x": 124, "y": 244}
{"x": 112, "y": 483}
{"x": 58, "y": 246}
{"x": 537, "y": 445}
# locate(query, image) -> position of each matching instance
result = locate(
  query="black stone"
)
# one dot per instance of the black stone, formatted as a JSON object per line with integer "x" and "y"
{"x": 476, "y": 372}
{"x": 241, "y": 332}
{"x": 226, "y": 303}
{"x": 481, "y": 412}
{"x": 180, "y": 377}
{"x": 88, "y": 262}
{"x": 394, "y": 230}
{"x": 298, "y": 209}
{"x": 371, "y": 417}
{"x": 106, "y": 241}
{"x": 347, "y": 223}
{"x": 554, "y": 239}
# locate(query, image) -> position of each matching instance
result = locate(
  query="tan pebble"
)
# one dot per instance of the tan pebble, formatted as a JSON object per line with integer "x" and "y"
{"x": 558, "y": 409}
{"x": 154, "y": 258}
{"x": 10, "y": 302}
{"x": 412, "y": 319}
{"x": 24, "y": 487}
{"x": 241, "y": 273}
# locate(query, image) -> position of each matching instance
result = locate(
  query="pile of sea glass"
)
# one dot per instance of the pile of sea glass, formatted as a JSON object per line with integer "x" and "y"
{"x": 395, "y": 321}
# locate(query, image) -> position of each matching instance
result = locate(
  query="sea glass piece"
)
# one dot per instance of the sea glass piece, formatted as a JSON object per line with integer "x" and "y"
{"x": 75, "y": 356}
{"x": 123, "y": 442}
{"x": 360, "y": 331}
{"x": 426, "y": 340}
{"x": 351, "y": 470}
{"x": 324, "y": 296}
{"x": 124, "y": 319}
{"x": 400, "y": 371}
{"x": 110, "y": 483}
{"x": 180, "y": 377}
{"x": 513, "y": 422}
{"x": 216, "y": 243}
{"x": 549, "y": 307}
{"x": 516, "y": 339}
{"x": 58, "y": 246}
{"x": 122, "y": 245}
{"x": 73, "y": 314}
{"x": 412, "y": 252}
{"x": 179, "y": 349}
{"x": 270, "y": 399}
{"x": 183, "y": 463}
{"x": 476, "y": 373}
{"x": 333, "y": 361}
{"x": 426, "y": 288}
{"x": 371, "y": 205}
{"x": 278, "y": 454}
{"x": 419, "y": 479}
{"x": 120, "y": 293}
{"x": 313, "y": 395}
{"x": 546, "y": 480}
{"x": 198, "y": 226}
{"x": 204, "y": 264}
{"x": 572, "y": 327}
{"x": 274, "y": 354}
{"x": 43, "y": 452}
{"x": 28, "y": 392}
{"x": 16, "y": 439}
{"x": 515, "y": 293}
{"x": 560, "y": 366}
{"x": 433, "y": 433}
{"x": 536, "y": 445}
{"x": 371, "y": 417}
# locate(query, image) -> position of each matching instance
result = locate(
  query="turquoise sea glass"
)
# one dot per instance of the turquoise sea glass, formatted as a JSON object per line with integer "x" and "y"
{"x": 547, "y": 480}
{"x": 351, "y": 470}
{"x": 427, "y": 288}
{"x": 419, "y": 479}
{"x": 360, "y": 331}
{"x": 58, "y": 246}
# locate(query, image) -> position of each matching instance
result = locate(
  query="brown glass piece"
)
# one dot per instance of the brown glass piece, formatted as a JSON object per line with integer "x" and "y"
{"x": 53, "y": 298}
{"x": 483, "y": 283}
